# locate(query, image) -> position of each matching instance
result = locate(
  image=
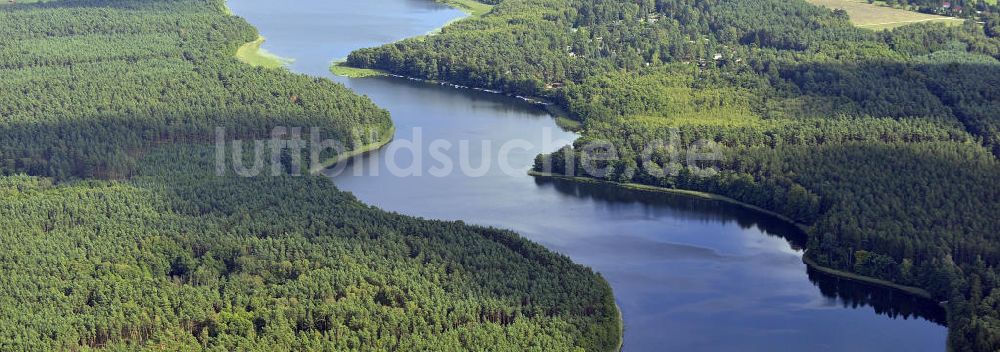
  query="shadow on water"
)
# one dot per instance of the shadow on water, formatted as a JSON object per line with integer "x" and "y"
{"x": 686, "y": 207}
{"x": 885, "y": 301}
{"x": 837, "y": 291}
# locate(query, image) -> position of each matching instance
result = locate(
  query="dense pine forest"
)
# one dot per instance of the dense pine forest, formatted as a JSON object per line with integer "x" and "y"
{"x": 884, "y": 144}
{"x": 117, "y": 233}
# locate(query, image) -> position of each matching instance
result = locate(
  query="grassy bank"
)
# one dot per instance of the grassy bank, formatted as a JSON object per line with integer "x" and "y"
{"x": 562, "y": 117}
{"x": 252, "y": 54}
{"x": 621, "y": 330}
{"x": 569, "y": 124}
{"x": 916, "y": 291}
{"x": 340, "y": 69}
{"x": 471, "y": 7}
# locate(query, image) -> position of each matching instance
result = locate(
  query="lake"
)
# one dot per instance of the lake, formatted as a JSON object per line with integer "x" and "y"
{"x": 688, "y": 274}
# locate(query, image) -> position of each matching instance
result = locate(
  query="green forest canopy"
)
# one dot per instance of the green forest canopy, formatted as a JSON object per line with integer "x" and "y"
{"x": 884, "y": 143}
{"x": 117, "y": 234}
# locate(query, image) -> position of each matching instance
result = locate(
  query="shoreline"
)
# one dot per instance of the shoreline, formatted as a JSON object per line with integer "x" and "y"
{"x": 252, "y": 54}
{"x": 685, "y": 192}
{"x": 911, "y": 290}
{"x": 471, "y": 8}
{"x": 358, "y": 152}
{"x": 563, "y": 119}
{"x": 915, "y": 291}
{"x": 621, "y": 329}
{"x": 340, "y": 68}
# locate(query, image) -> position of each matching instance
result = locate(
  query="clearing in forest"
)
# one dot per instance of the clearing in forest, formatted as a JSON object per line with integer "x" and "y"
{"x": 873, "y": 16}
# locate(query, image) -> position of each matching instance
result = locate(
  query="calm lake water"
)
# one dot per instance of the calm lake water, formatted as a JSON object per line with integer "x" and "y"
{"x": 689, "y": 274}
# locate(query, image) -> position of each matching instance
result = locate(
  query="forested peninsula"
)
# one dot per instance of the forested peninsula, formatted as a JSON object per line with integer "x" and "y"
{"x": 118, "y": 234}
{"x": 884, "y": 143}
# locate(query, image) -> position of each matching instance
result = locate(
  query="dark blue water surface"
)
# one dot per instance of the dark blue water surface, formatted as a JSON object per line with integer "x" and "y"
{"x": 689, "y": 274}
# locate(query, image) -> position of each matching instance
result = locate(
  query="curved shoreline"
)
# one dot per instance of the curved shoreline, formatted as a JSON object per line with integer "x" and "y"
{"x": 915, "y": 291}
{"x": 252, "y": 54}
{"x": 375, "y": 147}
{"x": 621, "y": 329}
{"x": 387, "y": 138}
{"x": 249, "y": 51}
{"x": 911, "y": 290}
{"x": 686, "y": 192}
{"x": 471, "y": 8}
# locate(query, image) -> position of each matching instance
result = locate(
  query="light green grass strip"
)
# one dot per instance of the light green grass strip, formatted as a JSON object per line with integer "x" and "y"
{"x": 569, "y": 124}
{"x": 340, "y": 69}
{"x": 472, "y": 7}
{"x": 621, "y": 330}
{"x": 890, "y": 25}
{"x": 878, "y": 16}
{"x": 252, "y": 54}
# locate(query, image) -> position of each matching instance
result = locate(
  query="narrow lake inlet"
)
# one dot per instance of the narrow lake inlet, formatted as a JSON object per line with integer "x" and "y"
{"x": 688, "y": 274}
